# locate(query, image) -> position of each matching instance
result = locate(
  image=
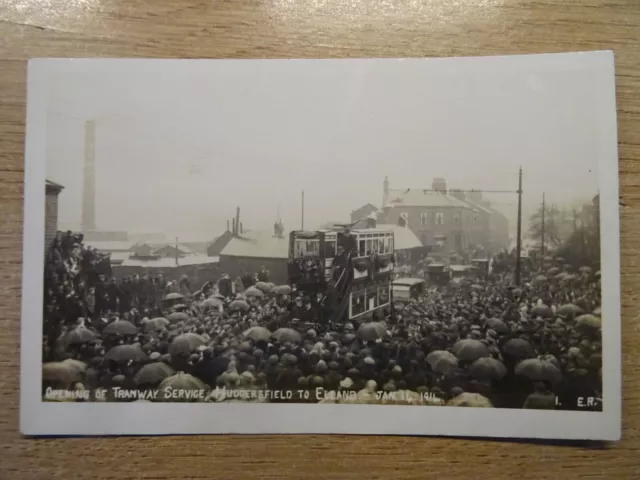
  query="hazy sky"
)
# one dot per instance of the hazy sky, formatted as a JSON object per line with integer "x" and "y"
{"x": 179, "y": 145}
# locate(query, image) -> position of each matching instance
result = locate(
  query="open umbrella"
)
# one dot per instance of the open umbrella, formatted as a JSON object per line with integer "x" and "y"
{"x": 519, "y": 348}
{"x": 60, "y": 372}
{"x": 257, "y": 334}
{"x": 477, "y": 287}
{"x": 585, "y": 269}
{"x": 80, "y": 335}
{"x": 372, "y": 331}
{"x": 569, "y": 277}
{"x": 238, "y": 305}
{"x": 589, "y": 320}
{"x": 442, "y": 361}
{"x": 469, "y": 350}
{"x": 120, "y": 327}
{"x": 560, "y": 276}
{"x": 77, "y": 364}
{"x": 253, "y": 292}
{"x": 126, "y": 353}
{"x": 182, "y": 387}
{"x": 542, "y": 311}
{"x": 287, "y": 335}
{"x": 264, "y": 287}
{"x": 540, "y": 278}
{"x": 487, "y": 368}
{"x": 212, "y": 303}
{"x": 153, "y": 373}
{"x": 553, "y": 271}
{"x": 498, "y": 325}
{"x": 466, "y": 399}
{"x": 185, "y": 344}
{"x": 597, "y": 311}
{"x": 176, "y": 317}
{"x": 174, "y": 296}
{"x": 569, "y": 309}
{"x": 282, "y": 290}
{"x": 537, "y": 369}
{"x": 155, "y": 324}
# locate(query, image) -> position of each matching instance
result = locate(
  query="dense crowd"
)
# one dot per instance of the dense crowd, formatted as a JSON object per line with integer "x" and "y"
{"x": 481, "y": 342}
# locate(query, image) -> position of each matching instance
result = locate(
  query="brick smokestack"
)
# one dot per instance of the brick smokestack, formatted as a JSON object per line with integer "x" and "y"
{"x": 89, "y": 187}
{"x": 227, "y": 225}
{"x": 237, "y": 227}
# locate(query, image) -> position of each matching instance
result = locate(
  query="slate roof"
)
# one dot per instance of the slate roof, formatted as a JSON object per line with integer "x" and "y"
{"x": 258, "y": 244}
{"x": 422, "y": 198}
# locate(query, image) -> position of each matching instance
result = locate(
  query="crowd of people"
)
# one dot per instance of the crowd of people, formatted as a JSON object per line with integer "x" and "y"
{"x": 482, "y": 342}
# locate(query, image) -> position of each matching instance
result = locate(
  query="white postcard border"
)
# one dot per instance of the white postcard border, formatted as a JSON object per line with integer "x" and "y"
{"x": 53, "y": 418}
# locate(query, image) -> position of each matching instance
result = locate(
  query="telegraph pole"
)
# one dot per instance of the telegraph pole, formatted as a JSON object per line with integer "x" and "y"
{"x": 302, "y": 226}
{"x": 542, "y": 235}
{"x": 519, "y": 239}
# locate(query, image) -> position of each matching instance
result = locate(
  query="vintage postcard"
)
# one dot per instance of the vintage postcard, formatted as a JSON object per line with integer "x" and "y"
{"x": 372, "y": 246}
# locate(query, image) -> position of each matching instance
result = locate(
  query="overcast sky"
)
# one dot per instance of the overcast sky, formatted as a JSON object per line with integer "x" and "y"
{"x": 180, "y": 144}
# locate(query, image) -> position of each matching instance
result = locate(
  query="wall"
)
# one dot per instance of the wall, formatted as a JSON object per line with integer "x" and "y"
{"x": 51, "y": 218}
{"x": 197, "y": 274}
{"x": 237, "y": 266}
{"x": 454, "y": 223}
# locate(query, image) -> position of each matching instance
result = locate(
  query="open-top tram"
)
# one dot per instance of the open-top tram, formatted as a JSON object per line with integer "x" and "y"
{"x": 349, "y": 270}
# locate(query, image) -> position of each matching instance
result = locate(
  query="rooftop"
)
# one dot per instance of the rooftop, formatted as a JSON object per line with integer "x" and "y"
{"x": 258, "y": 244}
{"x": 422, "y": 198}
{"x": 168, "y": 262}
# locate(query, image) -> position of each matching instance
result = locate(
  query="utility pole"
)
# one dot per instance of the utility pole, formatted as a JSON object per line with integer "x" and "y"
{"x": 177, "y": 251}
{"x": 302, "y": 222}
{"x": 542, "y": 233}
{"x": 519, "y": 239}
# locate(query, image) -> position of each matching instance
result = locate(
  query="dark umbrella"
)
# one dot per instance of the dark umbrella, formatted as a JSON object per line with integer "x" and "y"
{"x": 568, "y": 309}
{"x": 542, "y": 311}
{"x": 487, "y": 368}
{"x": 253, "y": 292}
{"x": 540, "y": 278}
{"x": 126, "y": 353}
{"x": 589, "y": 320}
{"x": 585, "y": 269}
{"x": 372, "y": 331}
{"x": 238, "y": 305}
{"x": 537, "y": 369}
{"x": 284, "y": 335}
{"x": 120, "y": 327}
{"x": 185, "y": 344}
{"x": 497, "y": 325}
{"x": 153, "y": 373}
{"x": 466, "y": 399}
{"x": 553, "y": 271}
{"x": 80, "y": 335}
{"x": 212, "y": 303}
{"x": 176, "y": 317}
{"x": 174, "y": 296}
{"x": 264, "y": 287}
{"x": 154, "y": 324}
{"x": 257, "y": 334}
{"x": 282, "y": 290}
{"x": 519, "y": 348}
{"x": 442, "y": 361}
{"x": 469, "y": 350}
{"x": 60, "y": 372}
{"x": 182, "y": 383}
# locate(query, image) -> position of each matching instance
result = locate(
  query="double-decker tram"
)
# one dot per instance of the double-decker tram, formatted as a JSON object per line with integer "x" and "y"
{"x": 348, "y": 272}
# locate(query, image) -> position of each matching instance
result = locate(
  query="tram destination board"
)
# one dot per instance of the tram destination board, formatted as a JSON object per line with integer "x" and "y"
{"x": 252, "y": 247}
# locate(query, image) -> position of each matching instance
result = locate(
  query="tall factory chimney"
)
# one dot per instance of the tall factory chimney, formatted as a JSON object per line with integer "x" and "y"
{"x": 89, "y": 188}
{"x": 237, "y": 221}
{"x": 385, "y": 192}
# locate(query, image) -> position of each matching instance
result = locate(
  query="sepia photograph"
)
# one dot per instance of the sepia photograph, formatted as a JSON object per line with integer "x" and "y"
{"x": 388, "y": 246}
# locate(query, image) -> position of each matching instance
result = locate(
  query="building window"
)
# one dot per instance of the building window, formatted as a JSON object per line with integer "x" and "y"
{"x": 424, "y": 216}
{"x": 439, "y": 218}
